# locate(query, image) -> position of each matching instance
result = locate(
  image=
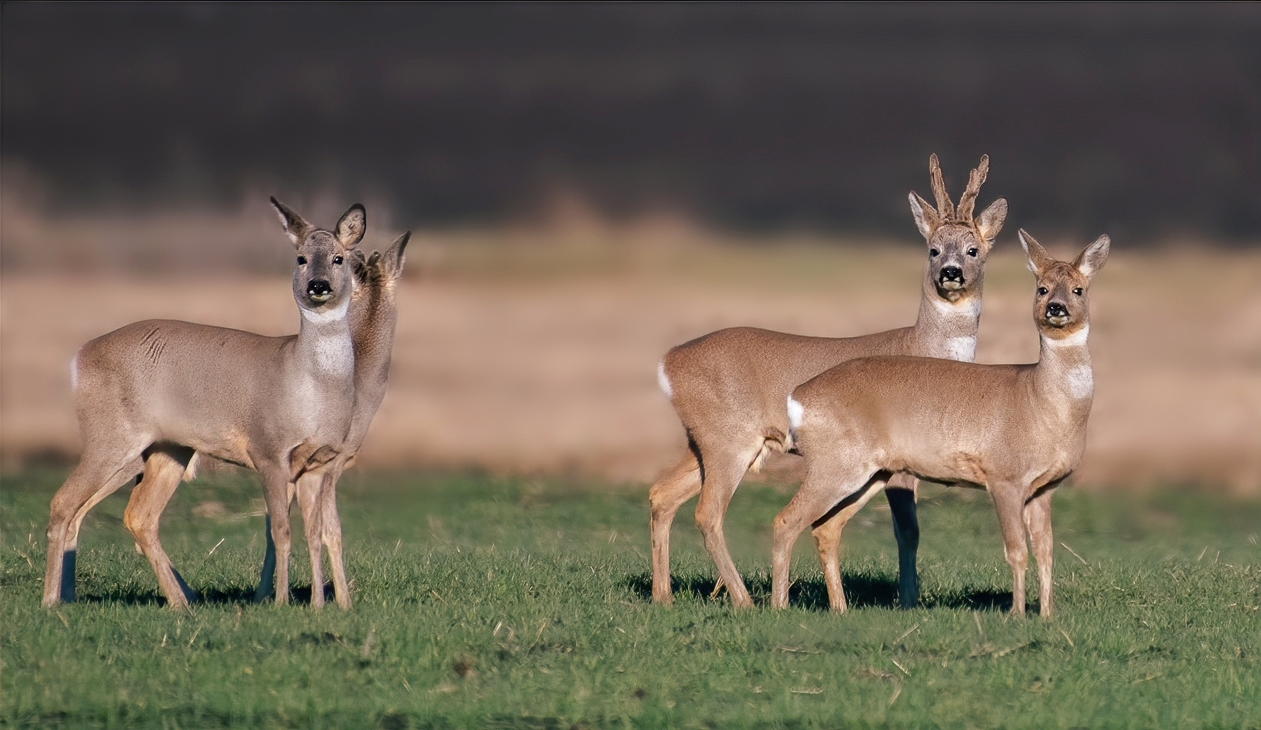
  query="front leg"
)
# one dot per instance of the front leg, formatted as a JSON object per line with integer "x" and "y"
{"x": 276, "y": 494}
{"x": 1038, "y": 523}
{"x": 1009, "y": 501}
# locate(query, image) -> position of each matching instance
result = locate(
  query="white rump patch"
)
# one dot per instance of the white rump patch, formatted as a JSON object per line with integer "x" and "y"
{"x": 328, "y": 317}
{"x": 962, "y": 349}
{"x": 795, "y": 413}
{"x": 1081, "y": 382}
{"x": 663, "y": 381}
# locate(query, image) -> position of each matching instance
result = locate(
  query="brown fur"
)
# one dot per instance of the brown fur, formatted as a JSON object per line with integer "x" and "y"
{"x": 729, "y": 387}
{"x": 1014, "y": 430}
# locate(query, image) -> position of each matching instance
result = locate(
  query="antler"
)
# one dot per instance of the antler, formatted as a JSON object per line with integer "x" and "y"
{"x": 945, "y": 208}
{"x": 975, "y": 180}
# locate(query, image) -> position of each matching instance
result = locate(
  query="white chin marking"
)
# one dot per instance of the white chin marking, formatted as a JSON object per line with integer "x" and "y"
{"x": 331, "y": 315}
{"x": 962, "y": 349}
{"x": 1081, "y": 382}
{"x": 795, "y": 413}
{"x": 1077, "y": 339}
{"x": 663, "y": 381}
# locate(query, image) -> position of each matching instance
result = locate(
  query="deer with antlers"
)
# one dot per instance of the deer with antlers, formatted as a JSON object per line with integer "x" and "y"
{"x": 153, "y": 396}
{"x": 1016, "y": 431}
{"x": 730, "y": 387}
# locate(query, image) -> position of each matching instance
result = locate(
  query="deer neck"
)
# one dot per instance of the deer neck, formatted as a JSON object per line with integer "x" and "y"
{"x": 948, "y": 329}
{"x": 372, "y": 325}
{"x": 1063, "y": 377}
{"x": 324, "y": 347}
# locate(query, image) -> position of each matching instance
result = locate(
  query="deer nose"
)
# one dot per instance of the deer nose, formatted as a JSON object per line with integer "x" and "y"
{"x": 952, "y": 273}
{"x": 318, "y": 288}
{"x": 1055, "y": 309}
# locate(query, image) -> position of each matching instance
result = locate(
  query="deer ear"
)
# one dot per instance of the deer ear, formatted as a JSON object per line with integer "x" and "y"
{"x": 351, "y": 227}
{"x": 1094, "y": 257}
{"x": 926, "y": 218}
{"x": 295, "y": 227}
{"x": 1037, "y": 256}
{"x": 991, "y": 220}
{"x": 394, "y": 255}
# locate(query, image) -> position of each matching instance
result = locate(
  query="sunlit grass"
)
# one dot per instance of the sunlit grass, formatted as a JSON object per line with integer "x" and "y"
{"x": 484, "y": 602}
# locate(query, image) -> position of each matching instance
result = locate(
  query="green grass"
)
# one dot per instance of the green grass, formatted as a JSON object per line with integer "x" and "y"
{"x": 505, "y": 603}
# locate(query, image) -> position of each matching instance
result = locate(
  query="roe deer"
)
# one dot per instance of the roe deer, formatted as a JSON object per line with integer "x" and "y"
{"x": 729, "y": 387}
{"x": 152, "y": 396}
{"x": 373, "y": 314}
{"x": 1014, "y": 430}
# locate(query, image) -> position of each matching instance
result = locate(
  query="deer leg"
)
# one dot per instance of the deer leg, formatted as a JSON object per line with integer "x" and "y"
{"x": 813, "y": 501}
{"x": 901, "y": 493}
{"x": 96, "y": 477}
{"x": 827, "y": 541}
{"x": 332, "y": 534}
{"x": 1009, "y": 501}
{"x": 722, "y": 475}
{"x": 163, "y": 470}
{"x": 267, "y": 576}
{"x": 666, "y": 496}
{"x": 276, "y": 493}
{"x": 308, "y": 488}
{"x": 1038, "y": 524}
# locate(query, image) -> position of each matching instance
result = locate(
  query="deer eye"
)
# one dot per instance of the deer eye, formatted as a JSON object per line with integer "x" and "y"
{"x": 302, "y": 261}
{"x": 1042, "y": 291}
{"x": 337, "y": 260}
{"x": 933, "y": 252}
{"x": 972, "y": 252}
{"x": 1077, "y": 291}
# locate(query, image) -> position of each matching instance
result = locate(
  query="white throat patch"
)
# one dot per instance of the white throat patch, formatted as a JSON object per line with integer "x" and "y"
{"x": 328, "y": 317}
{"x": 962, "y": 349}
{"x": 1081, "y": 381}
{"x": 1077, "y": 339}
{"x": 969, "y": 308}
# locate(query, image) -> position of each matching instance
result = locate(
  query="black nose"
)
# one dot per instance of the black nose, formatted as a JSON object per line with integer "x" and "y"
{"x": 318, "y": 287}
{"x": 952, "y": 273}
{"x": 1055, "y": 309}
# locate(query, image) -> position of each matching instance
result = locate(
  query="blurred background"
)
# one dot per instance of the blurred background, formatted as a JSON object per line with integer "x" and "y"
{"x": 590, "y": 185}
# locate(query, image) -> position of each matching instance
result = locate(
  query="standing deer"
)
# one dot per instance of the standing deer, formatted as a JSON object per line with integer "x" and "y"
{"x": 373, "y": 314}
{"x": 729, "y": 387}
{"x": 153, "y": 395}
{"x": 1015, "y": 430}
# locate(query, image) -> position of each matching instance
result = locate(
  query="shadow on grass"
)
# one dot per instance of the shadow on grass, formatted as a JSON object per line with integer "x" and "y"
{"x": 241, "y": 596}
{"x": 861, "y": 591}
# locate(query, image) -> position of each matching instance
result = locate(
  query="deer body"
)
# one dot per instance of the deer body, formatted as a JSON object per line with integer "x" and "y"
{"x": 372, "y": 317}
{"x": 1014, "y": 430}
{"x": 729, "y": 387}
{"x": 152, "y": 395}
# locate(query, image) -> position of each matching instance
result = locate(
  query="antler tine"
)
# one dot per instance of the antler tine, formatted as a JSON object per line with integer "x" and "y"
{"x": 945, "y": 208}
{"x": 975, "y": 181}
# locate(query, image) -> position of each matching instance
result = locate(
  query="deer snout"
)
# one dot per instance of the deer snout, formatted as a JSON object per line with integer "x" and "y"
{"x": 951, "y": 277}
{"x": 1056, "y": 313}
{"x": 319, "y": 289}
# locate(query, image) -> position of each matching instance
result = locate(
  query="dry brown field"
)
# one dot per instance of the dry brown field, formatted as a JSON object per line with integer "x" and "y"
{"x": 535, "y": 353}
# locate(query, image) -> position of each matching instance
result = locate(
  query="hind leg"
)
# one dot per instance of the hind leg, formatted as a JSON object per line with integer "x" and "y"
{"x": 818, "y": 494}
{"x": 100, "y": 472}
{"x": 724, "y": 467}
{"x": 901, "y": 493}
{"x": 827, "y": 541}
{"x": 164, "y": 468}
{"x": 665, "y": 498}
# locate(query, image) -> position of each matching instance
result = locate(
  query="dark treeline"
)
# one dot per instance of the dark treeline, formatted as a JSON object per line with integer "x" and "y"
{"x": 1141, "y": 121}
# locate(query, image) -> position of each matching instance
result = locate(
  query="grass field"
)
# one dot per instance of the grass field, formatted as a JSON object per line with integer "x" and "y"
{"x": 511, "y": 603}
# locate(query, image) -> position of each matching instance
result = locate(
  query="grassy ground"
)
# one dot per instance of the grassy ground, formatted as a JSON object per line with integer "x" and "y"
{"x": 493, "y": 603}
